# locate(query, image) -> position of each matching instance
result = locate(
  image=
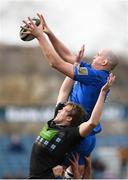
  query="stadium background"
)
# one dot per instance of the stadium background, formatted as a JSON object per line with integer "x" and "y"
{"x": 29, "y": 87}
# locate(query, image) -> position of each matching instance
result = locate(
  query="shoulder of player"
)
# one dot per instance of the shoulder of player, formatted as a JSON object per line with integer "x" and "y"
{"x": 84, "y": 64}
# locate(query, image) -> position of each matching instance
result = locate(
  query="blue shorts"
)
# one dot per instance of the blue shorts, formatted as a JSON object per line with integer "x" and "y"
{"x": 84, "y": 149}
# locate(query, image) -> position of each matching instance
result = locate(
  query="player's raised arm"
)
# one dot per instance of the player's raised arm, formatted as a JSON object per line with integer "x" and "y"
{"x": 86, "y": 127}
{"x": 67, "y": 84}
{"x": 65, "y": 90}
{"x": 48, "y": 51}
{"x": 87, "y": 168}
{"x": 60, "y": 48}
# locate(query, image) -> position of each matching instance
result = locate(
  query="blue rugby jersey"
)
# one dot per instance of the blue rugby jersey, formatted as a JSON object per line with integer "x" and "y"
{"x": 87, "y": 86}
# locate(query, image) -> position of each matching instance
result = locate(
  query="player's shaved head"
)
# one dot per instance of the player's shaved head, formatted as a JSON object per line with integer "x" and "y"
{"x": 112, "y": 58}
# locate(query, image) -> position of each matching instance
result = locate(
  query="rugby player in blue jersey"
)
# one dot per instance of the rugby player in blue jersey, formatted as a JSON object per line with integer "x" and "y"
{"x": 89, "y": 78}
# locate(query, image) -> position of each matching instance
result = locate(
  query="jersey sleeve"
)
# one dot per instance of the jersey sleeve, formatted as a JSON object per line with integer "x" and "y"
{"x": 86, "y": 74}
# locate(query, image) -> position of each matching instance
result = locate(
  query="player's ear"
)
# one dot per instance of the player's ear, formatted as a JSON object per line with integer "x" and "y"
{"x": 105, "y": 62}
{"x": 69, "y": 118}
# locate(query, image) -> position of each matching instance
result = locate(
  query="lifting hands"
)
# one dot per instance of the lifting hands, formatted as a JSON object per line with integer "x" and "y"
{"x": 32, "y": 28}
{"x": 109, "y": 83}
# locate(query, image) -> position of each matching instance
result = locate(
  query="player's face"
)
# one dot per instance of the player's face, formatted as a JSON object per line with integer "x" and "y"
{"x": 99, "y": 58}
{"x": 63, "y": 116}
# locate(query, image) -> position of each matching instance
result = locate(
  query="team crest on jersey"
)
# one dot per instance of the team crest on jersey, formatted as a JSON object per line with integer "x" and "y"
{"x": 82, "y": 71}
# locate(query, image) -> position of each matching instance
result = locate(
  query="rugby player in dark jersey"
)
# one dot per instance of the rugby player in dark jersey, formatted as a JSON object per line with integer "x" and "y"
{"x": 59, "y": 136}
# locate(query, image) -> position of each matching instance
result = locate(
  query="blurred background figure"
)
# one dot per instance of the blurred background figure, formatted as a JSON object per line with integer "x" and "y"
{"x": 15, "y": 145}
{"x": 123, "y": 155}
{"x": 98, "y": 168}
{"x": 29, "y": 88}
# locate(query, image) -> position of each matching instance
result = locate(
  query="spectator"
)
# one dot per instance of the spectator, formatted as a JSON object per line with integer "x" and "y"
{"x": 98, "y": 168}
{"x": 16, "y": 144}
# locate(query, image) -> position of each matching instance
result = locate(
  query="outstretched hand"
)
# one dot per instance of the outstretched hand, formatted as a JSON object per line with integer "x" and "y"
{"x": 75, "y": 166}
{"x": 109, "y": 83}
{"x": 45, "y": 27}
{"x": 31, "y": 27}
{"x": 80, "y": 54}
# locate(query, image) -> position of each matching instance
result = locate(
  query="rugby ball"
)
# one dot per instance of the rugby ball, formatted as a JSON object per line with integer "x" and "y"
{"x": 28, "y": 37}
